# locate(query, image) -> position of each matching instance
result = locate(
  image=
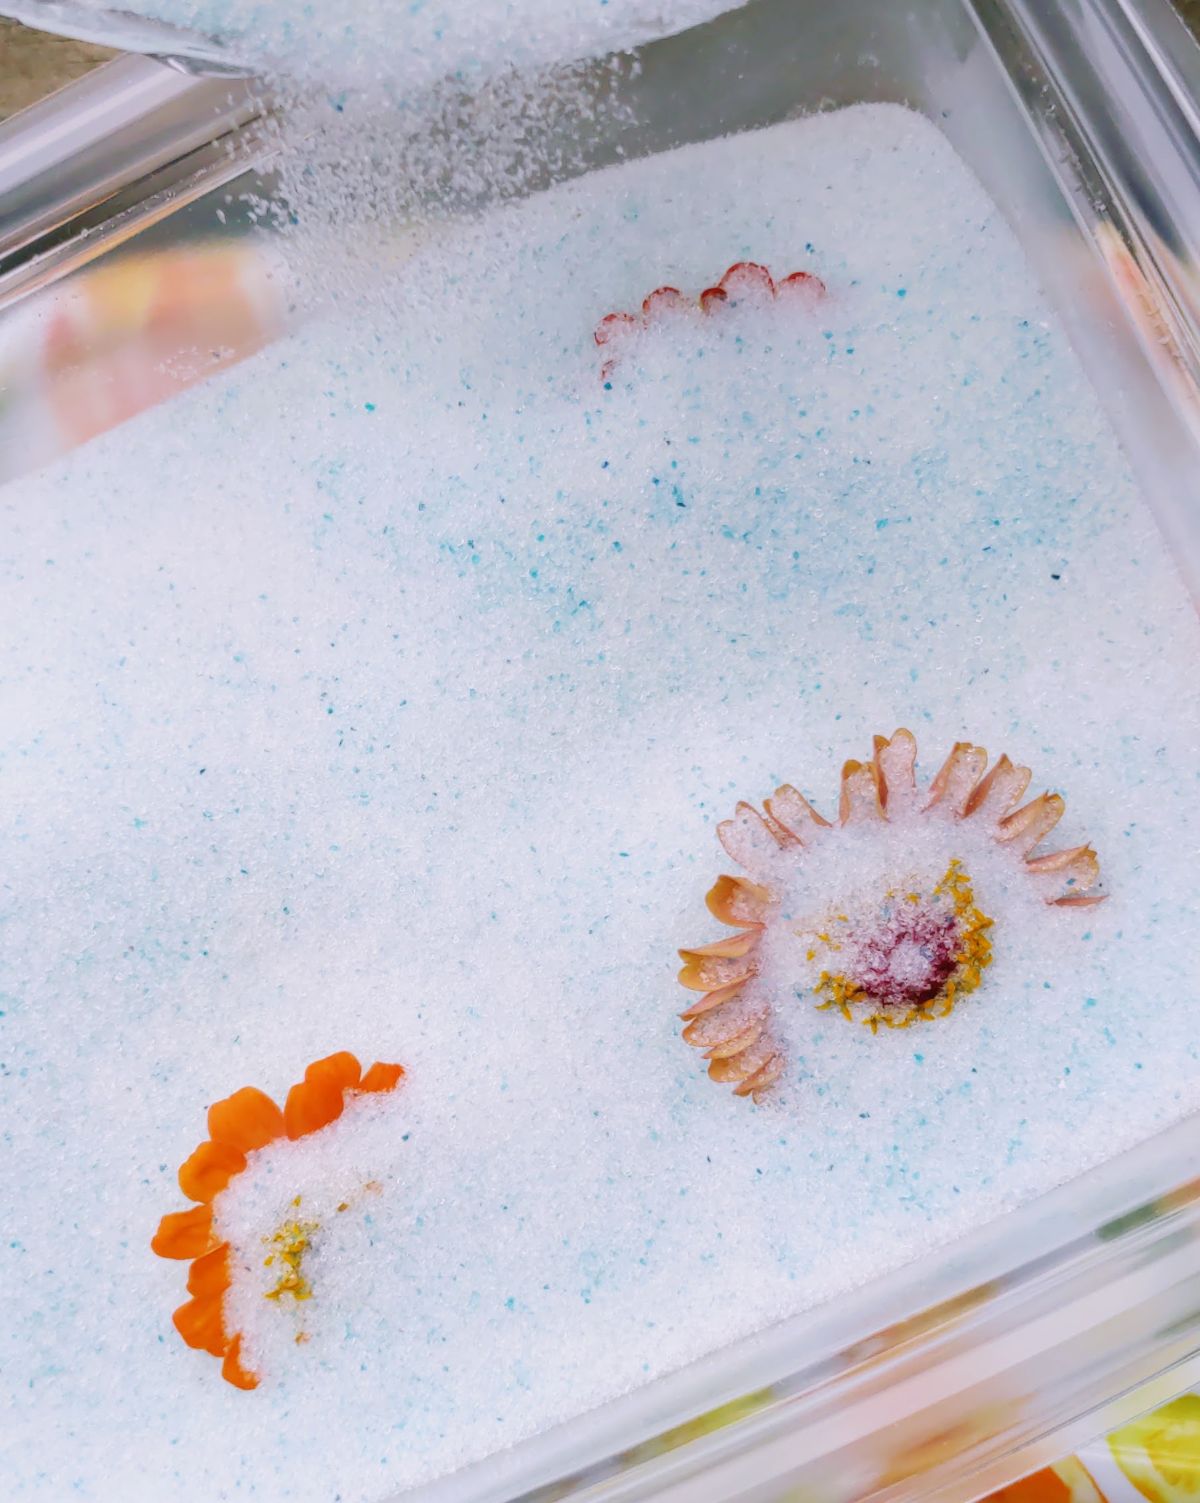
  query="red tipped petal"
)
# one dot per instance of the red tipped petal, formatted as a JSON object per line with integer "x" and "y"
{"x": 665, "y": 300}
{"x": 615, "y": 326}
{"x": 802, "y": 289}
{"x": 747, "y": 279}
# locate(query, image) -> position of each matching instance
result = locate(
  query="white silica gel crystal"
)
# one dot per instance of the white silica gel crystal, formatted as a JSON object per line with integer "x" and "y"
{"x": 385, "y": 695}
{"x": 398, "y": 44}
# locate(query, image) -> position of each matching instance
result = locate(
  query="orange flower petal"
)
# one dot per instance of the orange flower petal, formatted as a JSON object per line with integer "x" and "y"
{"x": 311, "y": 1105}
{"x": 317, "y": 1100}
{"x": 209, "y": 1170}
{"x": 247, "y": 1120}
{"x": 321, "y": 1096}
{"x": 201, "y": 1325}
{"x": 233, "y": 1371}
{"x": 209, "y": 1275}
{"x": 382, "y": 1077}
{"x": 185, "y": 1234}
{"x": 341, "y": 1068}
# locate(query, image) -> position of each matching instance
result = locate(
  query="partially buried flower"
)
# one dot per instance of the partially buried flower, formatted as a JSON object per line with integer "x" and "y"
{"x": 876, "y": 915}
{"x": 239, "y": 1126}
{"x": 744, "y": 285}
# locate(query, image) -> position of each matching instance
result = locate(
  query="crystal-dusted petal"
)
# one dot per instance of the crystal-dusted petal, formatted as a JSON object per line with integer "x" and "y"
{"x": 958, "y": 778}
{"x": 734, "y": 946}
{"x": 614, "y": 333}
{"x": 721, "y": 964}
{"x": 895, "y": 771}
{"x": 734, "y": 900}
{"x": 1066, "y": 873}
{"x": 793, "y": 813}
{"x": 1025, "y": 829}
{"x": 998, "y": 791}
{"x": 712, "y": 999}
{"x": 702, "y": 973}
{"x": 801, "y": 289}
{"x": 740, "y": 1042}
{"x": 722, "y": 1026}
{"x": 758, "y": 1084}
{"x": 860, "y": 794}
{"x": 747, "y": 280}
{"x": 742, "y": 1066}
{"x": 615, "y": 328}
{"x": 1083, "y": 901}
{"x": 667, "y": 301}
{"x": 749, "y": 841}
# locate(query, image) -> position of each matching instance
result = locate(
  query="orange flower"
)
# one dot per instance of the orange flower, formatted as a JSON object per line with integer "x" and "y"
{"x": 237, "y": 1126}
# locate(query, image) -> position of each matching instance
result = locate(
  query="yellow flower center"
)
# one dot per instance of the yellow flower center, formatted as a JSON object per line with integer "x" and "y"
{"x": 289, "y": 1243}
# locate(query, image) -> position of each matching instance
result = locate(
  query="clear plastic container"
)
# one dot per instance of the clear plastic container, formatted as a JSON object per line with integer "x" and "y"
{"x": 1068, "y": 1317}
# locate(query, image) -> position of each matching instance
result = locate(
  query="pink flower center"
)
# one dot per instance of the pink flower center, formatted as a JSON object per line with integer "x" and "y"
{"x": 906, "y": 956}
